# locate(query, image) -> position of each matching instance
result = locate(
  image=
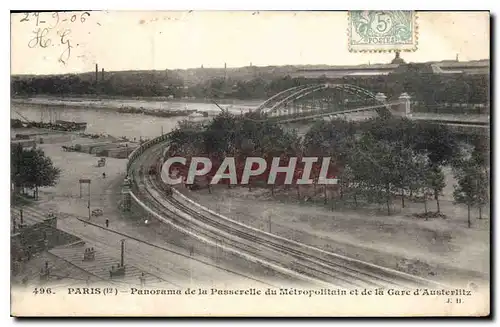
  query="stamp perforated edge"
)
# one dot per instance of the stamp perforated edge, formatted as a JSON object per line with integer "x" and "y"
{"x": 354, "y": 50}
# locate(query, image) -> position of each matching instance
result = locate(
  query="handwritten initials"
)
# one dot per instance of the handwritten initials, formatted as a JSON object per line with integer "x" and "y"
{"x": 42, "y": 37}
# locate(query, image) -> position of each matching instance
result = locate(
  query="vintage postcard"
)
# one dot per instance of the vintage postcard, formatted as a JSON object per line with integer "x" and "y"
{"x": 250, "y": 163}
{"x": 383, "y": 30}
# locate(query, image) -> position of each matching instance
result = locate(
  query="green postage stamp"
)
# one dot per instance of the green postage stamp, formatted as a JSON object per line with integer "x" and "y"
{"x": 382, "y": 31}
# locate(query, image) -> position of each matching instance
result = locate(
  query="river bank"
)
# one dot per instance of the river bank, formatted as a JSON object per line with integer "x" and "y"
{"x": 153, "y": 103}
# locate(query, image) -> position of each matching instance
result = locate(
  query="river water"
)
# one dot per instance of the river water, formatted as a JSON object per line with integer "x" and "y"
{"x": 101, "y": 120}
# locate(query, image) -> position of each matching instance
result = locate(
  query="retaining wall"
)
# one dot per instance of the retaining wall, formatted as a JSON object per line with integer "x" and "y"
{"x": 37, "y": 238}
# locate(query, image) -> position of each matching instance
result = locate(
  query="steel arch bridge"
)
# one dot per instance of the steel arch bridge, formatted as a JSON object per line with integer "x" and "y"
{"x": 322, "y": 100}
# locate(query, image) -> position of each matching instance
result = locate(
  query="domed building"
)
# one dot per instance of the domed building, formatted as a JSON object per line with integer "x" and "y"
{"x": 398, "y": 60}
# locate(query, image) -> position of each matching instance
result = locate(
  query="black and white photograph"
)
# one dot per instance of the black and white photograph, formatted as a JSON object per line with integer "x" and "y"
{"x": 250, "y": 163}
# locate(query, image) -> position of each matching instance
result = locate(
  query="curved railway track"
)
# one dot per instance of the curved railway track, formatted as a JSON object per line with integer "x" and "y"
{"x": 152, "y": 196}
{"x": 315, "y": 265}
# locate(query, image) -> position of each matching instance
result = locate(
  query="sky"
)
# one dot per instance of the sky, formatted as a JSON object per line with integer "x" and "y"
{"x": 126, "y": 40}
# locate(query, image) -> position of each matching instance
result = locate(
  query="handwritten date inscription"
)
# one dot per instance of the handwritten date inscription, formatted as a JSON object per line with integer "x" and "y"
{"x": 51, "y": 31}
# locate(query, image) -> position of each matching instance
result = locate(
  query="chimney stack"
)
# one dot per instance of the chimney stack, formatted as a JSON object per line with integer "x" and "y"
{"x": 102, "y": 74}
{"x": 96, "y": 73}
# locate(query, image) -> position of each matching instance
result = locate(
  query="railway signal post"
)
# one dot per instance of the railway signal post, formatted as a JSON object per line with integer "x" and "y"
{"x": 126, "y": 198}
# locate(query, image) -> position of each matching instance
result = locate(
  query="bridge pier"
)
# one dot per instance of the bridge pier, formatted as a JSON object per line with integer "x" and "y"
{"x": 405, "y": 105}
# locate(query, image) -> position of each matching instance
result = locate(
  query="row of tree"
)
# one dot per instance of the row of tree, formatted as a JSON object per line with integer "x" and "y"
{"x": 424, "y": 86}
{"x": 31, "y": 169}
{"x": 376, "y": 160}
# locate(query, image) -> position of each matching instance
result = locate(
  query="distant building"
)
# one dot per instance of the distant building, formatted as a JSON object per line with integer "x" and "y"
{"x": 441, "y": 67}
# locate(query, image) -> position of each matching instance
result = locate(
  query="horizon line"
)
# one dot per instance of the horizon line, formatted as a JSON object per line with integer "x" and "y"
{"x": 249, "y": 66}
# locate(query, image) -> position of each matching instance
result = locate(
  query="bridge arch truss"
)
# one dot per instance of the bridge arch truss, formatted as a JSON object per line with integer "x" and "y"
{"x": 323, "y": 98}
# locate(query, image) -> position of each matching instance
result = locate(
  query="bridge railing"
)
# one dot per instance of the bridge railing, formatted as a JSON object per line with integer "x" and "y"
{"x": 143, "y": 147}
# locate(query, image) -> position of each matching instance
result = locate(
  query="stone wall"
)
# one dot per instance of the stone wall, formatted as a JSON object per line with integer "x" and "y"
{"x": 38, "y": 238}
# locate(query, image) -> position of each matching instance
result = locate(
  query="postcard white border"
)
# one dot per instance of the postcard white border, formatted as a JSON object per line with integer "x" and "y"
{"x": 191, "y": 4}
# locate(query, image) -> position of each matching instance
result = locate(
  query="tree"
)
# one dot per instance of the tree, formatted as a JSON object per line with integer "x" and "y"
{"x": 45, "y": 174}
{"x": 376, "y": 168}
{"x": 434, "y": 179}
{"x": 437, "y": 141}
{"x": 32, "y": 169}
{"x": 480, "y": 159}
{"x": 238, "y": 136}
{"x": 423, "y": 193}
{"x": 17, "y": 163}
{"x": 349, "y": 185}
{"x": 331, "y": 138}
{"x": 481, "y": 150}
{"x": 428, "y": 182}
{"x": 407, "y": 169}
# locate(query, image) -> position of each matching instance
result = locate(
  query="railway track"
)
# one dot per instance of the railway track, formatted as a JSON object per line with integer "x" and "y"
{"x": 152, "y": 197}
{"x": 321, "y": 267}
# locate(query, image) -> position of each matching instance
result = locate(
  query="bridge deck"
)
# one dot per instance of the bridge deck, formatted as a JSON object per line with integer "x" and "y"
{"x": 473, "y": 118}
